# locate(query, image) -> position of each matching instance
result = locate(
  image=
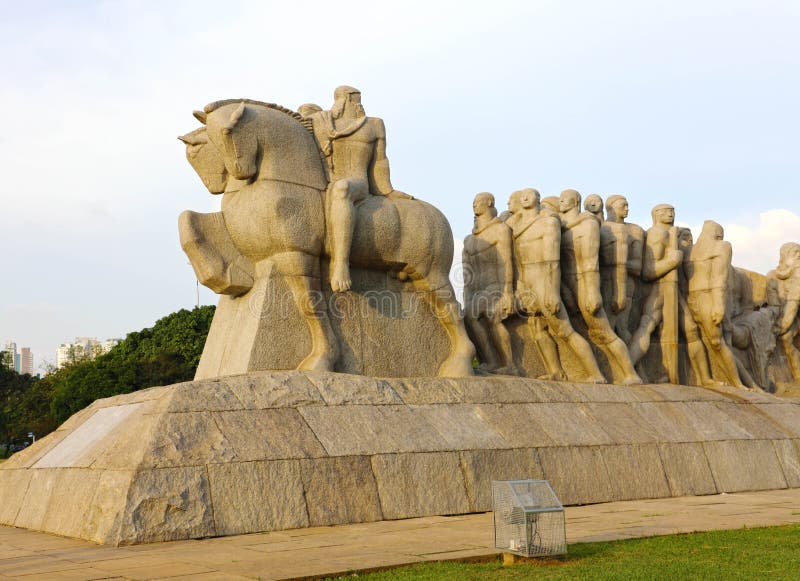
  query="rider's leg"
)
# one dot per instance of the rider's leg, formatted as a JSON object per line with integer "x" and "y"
{"x": 341, "y": 221}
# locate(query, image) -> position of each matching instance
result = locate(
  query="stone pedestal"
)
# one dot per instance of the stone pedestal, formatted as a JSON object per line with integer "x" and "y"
{"x": 271, "y": 451}
{"x": 375, "y": 325}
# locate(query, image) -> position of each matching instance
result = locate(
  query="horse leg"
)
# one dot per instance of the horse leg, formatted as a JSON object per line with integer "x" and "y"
{"x": 216, "y": 261}
{"x": 438, "y": 292}
{"x": 301, "y": 271}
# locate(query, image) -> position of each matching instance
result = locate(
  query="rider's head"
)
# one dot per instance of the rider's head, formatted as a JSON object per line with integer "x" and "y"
{"x": 483, "y": 203}
{"x": 347, "y": 99}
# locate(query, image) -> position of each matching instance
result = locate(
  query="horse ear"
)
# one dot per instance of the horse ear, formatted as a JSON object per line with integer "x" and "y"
{"x": 235, "y": 117}
{"x": 200, "y": 116}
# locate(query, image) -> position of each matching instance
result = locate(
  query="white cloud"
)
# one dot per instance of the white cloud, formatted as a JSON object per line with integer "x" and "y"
{"x": 756, "y": 246}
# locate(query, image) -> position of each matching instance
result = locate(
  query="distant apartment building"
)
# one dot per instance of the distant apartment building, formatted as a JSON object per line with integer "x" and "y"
{"x": 26, "y": 361}
{"x": 82, "y": 349}
{"x": 11, "y": 357}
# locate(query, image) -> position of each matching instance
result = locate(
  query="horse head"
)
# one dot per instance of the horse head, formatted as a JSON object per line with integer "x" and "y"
{"x": 227, "y": 127}
{"x": 263, "y": 141}
{"x": 206, "y": 160}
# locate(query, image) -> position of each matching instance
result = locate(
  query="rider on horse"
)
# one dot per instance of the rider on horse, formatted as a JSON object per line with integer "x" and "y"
{"x": 354, "y": 147}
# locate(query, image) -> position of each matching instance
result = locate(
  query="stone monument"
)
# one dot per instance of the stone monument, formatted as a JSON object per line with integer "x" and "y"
{"x": 323, "y": 267}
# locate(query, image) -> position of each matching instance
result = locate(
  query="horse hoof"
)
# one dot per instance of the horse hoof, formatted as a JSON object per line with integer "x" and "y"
{"x": 316, "y": 363}
{"x": 456, "y": 367}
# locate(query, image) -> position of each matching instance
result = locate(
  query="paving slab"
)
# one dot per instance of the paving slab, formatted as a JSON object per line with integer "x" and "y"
{"x": 332, "y": 550}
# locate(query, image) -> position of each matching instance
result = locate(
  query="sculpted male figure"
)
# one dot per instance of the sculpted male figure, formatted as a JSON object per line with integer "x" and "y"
{"x": 783, "y": 294}
{"x": 580, "y": 267}
{"x": 660, "y": 264}
{"x": 537, "y": 245}
{"x": 489, "y": 285}
{"x": 708, "y": 273}
{"x": 594, "y": 205}
{"x": 354, "y": 147}
{"x": 698, "y": 358}
{"x": 621, "y": 246}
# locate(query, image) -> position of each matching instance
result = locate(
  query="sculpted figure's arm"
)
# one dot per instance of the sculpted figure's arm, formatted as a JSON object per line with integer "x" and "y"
{"x": 635, "y": 256}
{"x": 506, "y": 256}
{"x": 658, "y": 258}
{"x": 380, "y": 183}
{"x": 469, "y": 275}
{"x": 720, "y": 273}
{"x": 788, "y": 316}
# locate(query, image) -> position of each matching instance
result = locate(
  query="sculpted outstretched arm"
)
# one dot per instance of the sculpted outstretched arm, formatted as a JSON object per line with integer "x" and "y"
{"x": 659, "y": 260}
{"x": 380, "y": 181}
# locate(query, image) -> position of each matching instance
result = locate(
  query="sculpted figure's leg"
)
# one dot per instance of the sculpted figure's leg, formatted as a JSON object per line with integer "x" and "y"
{"x": 715, "y": 343}
{"x": 651, "y": 319}
{"x": 603, "y": 336}
{"x": 501, "y": 340}
{"x": 547, "y": 349}
{"x": 307, "y": 293}
{"x": 694, "y": 345}
{"x": 622, "y": 325}
{"x": 436, "y": 289}
{"x": 792, "y": 354}
{"x": 343, "y": 194}
{"x": 480, "y": 338}
{"x": 561, "y": 326}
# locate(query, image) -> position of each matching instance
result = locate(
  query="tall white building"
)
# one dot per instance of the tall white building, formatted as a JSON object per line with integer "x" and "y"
{"x": 83, "y": 348}
{"x": 26, "y": 361}
{"x": 12, "y": 360}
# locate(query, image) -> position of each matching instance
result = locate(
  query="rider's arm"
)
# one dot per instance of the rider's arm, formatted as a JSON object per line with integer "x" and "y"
{"x": 379, "y": 168}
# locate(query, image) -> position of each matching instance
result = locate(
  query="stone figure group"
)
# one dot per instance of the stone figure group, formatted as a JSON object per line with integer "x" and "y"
{"x": 554, "y": 288}
{"x": 581, "y": 287}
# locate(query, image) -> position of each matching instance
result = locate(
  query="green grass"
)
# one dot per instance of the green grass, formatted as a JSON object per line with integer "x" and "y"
{"x": 762, "y": 553}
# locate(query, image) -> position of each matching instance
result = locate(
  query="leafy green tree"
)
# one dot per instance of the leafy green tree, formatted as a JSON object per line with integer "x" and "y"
{"x": 167, "y": 352}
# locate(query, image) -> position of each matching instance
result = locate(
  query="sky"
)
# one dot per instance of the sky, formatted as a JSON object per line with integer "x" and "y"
{"x": 694, "y": 103}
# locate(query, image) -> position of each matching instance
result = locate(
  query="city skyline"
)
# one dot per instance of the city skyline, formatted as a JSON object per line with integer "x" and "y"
{"x": 484, "y": 98}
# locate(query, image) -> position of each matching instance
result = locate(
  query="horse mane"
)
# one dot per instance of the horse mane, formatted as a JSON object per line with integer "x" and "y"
{"x": 293, "y": 114}
{"x": 304, "y": 121}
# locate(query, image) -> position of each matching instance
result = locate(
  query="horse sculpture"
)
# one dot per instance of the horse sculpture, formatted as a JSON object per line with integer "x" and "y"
{"x": 267, "y": 165}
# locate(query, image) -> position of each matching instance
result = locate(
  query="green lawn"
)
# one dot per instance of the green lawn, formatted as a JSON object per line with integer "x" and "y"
{"x": 763, "y": 553}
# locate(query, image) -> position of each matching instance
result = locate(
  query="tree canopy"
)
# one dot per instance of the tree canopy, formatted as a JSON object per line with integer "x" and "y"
{"x": 168, "y": 352}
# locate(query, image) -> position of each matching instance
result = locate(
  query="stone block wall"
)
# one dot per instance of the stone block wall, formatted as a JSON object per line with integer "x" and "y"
{"x": 270, "y": 451}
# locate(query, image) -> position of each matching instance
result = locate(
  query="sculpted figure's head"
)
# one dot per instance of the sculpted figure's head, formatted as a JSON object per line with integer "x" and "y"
{"x": 551, "y": 205}
{"x": 206, "y": 160}
{"x": 530, "y": 198}
{"x": 484, "y": 204}
{"x": 515, "y": 202}
{"x": 569, "y": 199}
{"x": 616, "y": 208}
{"x": 594, "y": 204}
{"x": 712, "y": 231}
{"x": 685, "y": 238}
{"x": 308, "y": 109}
{"x": 790, "y": 255}
{"x": 663, "y": 214}
{"x": 347, "y": 102}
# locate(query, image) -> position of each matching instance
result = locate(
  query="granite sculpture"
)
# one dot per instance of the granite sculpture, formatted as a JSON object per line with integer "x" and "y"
{"x": 302, "y": 196}
{"x": 488, "y": 268}
{"x": 599, "y": 299}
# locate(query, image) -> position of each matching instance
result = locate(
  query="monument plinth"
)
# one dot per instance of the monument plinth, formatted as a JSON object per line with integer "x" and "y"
{"x": 272, "y": 451}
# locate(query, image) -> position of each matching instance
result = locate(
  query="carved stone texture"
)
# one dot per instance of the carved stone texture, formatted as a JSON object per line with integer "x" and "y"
{"x": 708, "y": 271}
{"x": 537, "y": 245}
{"x": 580, "y": 275}
{"x": 322, "y": 185}
{"x": 488, "y": 269}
